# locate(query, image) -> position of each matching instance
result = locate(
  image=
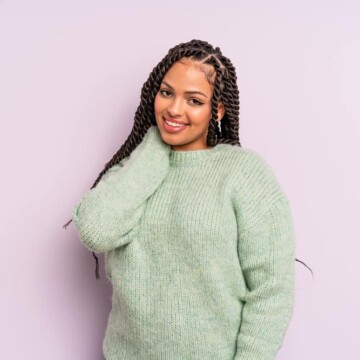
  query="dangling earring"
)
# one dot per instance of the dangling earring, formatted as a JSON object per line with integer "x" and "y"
{"x": 219, "y": 126}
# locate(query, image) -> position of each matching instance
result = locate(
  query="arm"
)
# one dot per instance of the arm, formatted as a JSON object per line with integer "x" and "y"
{"x": 267, "y": 257}
{"x": 107, "y": 215}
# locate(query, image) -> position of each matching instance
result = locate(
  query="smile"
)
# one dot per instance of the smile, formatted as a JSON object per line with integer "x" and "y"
{"x": 173, "y": 127}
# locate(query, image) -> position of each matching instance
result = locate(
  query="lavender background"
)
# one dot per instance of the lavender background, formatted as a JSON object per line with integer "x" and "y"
{"x": 71, "y": 74}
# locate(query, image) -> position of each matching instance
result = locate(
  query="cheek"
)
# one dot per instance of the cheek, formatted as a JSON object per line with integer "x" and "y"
{"x": 201, "y": 114}
{"x": 157, "y": 104}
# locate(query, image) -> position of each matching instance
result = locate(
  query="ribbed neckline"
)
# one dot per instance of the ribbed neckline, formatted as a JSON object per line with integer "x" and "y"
{"x": 191, "y": 157}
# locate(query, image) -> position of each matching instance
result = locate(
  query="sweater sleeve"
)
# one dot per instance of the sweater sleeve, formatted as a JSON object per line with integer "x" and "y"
{"x": 107, "y": 215}
{"x": 266, "y": 252}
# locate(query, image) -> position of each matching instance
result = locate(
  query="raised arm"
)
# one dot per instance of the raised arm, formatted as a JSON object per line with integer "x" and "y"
{"x": 107, "y": 215}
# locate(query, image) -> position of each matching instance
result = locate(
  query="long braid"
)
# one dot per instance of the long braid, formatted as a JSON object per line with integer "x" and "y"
{"x": 225, "y": 89}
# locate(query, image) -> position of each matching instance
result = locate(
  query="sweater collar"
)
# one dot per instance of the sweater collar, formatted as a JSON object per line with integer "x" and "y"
{"x": 192, "y": 157}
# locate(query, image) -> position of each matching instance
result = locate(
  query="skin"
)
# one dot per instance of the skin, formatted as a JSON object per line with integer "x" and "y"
{"x": 193, "y": 109}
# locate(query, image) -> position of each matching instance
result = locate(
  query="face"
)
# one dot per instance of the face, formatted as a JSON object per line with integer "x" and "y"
{"x": 182, "y": 106}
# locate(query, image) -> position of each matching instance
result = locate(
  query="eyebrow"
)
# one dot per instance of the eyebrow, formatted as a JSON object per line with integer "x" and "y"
{"x": 186, "y": 92}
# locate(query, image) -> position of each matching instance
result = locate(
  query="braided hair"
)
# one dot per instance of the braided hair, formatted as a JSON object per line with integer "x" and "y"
{"x": 222, "y": 77}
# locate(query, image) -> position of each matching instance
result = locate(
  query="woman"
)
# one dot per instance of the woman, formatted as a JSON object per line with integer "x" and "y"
{"x": 197, "y": 233}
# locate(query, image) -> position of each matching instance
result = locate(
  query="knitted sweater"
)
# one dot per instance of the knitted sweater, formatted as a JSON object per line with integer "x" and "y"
{"x": 200, "y": 250}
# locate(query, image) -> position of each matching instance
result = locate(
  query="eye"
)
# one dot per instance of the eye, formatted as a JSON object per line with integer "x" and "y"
{"x": 197, "y": 102}
{"x": 162, "y": 92}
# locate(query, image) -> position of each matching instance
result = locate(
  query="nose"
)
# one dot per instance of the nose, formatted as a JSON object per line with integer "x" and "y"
{"x": 175, "y": 108}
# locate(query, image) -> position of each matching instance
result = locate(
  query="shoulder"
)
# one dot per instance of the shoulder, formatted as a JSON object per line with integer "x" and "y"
{"x": 250, "y": 164}
{"x": 245, "y": 155}
{"x": 255, "y": 185}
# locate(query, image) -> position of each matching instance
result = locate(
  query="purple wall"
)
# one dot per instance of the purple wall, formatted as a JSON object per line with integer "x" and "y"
{"x": 71, "y": 75}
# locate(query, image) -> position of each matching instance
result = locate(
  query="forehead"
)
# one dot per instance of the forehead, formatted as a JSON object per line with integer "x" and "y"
{"x": 186, "y": 74}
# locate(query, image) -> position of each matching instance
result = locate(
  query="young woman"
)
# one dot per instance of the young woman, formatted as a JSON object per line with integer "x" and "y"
{"x": 196, "y": 230}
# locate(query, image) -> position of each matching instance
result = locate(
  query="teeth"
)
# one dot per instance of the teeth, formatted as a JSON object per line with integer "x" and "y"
{"x": 173, "y": 124}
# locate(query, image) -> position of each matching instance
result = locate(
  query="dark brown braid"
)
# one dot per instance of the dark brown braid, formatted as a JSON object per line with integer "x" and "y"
{"x": 222, "y": 77}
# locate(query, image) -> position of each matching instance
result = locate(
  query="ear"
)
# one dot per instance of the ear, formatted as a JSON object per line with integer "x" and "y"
{"x": 221, "y": 111}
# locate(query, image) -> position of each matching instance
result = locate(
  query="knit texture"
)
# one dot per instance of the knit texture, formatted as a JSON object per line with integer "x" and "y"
{"x": 200, "y": 249}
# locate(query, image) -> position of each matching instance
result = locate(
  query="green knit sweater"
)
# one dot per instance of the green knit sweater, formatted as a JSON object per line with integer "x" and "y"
{"x": 200, "y": 250}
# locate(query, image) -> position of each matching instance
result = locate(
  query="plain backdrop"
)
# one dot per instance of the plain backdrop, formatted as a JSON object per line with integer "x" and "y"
{"x": 71, "y": 73}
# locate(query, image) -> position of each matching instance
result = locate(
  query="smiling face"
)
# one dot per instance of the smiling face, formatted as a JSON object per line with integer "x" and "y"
{"x": 184, "y": 99}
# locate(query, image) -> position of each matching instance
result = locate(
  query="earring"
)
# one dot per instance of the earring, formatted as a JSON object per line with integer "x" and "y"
{"x": 219, "y": 126}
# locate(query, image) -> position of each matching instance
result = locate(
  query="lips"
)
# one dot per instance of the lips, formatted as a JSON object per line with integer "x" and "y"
{"x": 175, "y": 121}
{"x": 172, "y": 129}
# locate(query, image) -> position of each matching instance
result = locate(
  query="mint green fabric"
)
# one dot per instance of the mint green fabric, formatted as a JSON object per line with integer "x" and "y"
{"x": 200, "y": 250}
